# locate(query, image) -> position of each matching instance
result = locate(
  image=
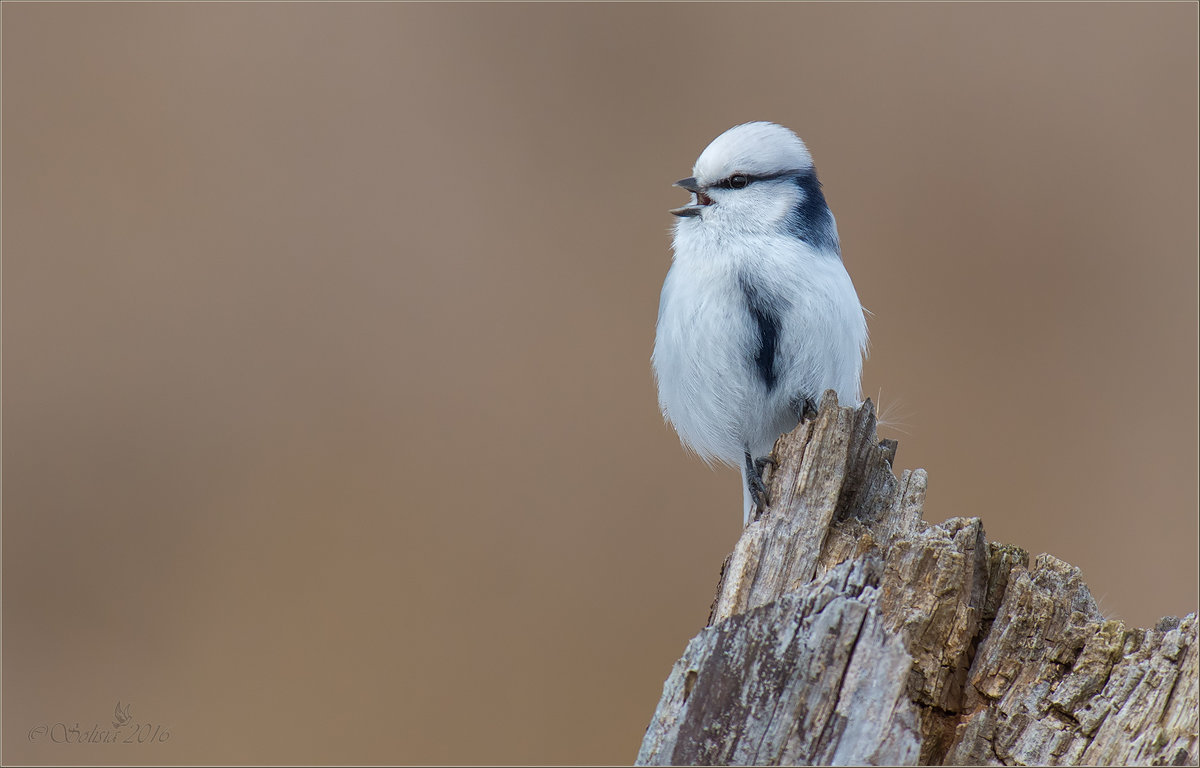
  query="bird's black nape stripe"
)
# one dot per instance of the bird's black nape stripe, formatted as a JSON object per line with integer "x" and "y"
{"x": 767, "y": 313}
{"x": 811, "y": 220}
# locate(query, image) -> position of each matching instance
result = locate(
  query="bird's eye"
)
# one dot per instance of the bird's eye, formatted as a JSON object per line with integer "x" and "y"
{"x": 738, "y": 181}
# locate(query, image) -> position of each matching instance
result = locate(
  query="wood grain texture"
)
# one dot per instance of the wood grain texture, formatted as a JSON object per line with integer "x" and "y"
{"x": 847, "y": 630}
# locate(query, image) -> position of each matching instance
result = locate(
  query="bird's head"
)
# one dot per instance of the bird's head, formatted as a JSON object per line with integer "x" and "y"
{"x": 755, "y": 177}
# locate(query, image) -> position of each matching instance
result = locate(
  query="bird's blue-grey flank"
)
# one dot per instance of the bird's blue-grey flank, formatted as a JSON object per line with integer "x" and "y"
{"x": 758, "y": 316}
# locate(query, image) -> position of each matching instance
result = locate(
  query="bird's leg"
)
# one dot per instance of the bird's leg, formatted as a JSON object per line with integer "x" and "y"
{"x": 754, "y": 481}
{"x": 762, "y": 463}
{"x": 805, "y": 408}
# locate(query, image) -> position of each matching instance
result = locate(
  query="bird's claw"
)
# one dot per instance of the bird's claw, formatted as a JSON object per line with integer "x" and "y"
{"x": 805, "y": 408}
{"x": 762, "y": 463}
{"x": 758, "y": 492}
{"x": 755, "y": 484}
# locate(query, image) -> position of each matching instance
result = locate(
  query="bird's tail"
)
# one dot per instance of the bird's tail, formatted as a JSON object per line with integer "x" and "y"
{"x": 747, "y": 501}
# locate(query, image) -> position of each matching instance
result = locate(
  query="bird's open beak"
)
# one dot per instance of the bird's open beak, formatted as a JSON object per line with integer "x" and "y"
{"x": 691, "y": 185}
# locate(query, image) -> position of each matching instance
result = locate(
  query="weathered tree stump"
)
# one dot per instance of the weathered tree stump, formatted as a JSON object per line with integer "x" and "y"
{"x": 846, "y": 630}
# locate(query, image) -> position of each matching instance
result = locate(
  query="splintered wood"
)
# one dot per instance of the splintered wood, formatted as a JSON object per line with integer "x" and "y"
{"x": 848, "y": 631}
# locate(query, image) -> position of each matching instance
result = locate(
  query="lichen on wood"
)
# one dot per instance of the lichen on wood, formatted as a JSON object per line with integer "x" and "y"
{"x": 847, "y": 630}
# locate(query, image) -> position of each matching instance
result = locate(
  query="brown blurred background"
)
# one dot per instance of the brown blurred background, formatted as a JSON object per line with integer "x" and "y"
{"x": 329, "y": 427}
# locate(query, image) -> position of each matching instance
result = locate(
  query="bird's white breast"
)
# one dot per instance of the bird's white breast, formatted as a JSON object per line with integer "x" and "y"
{"x": 709, "y": 386}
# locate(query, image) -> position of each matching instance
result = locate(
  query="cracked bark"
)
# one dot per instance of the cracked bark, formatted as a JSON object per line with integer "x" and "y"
{"x": 846, "y": 630}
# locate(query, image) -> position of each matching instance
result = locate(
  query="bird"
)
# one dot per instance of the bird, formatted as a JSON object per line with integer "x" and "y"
{"x": 758, "y": 316}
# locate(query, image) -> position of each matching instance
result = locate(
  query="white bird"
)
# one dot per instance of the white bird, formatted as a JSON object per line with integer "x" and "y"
{"x": 758, "y": 316}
